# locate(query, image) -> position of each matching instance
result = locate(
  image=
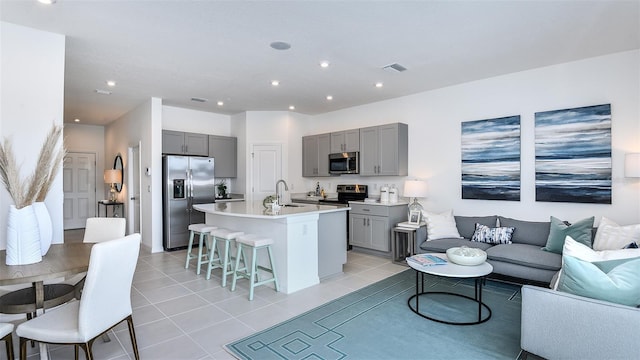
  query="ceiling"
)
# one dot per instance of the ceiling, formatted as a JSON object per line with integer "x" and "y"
{"x": 220, "y": 50}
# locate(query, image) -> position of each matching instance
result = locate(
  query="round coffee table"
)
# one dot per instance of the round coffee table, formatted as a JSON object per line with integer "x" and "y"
{"x": 451, "y": 270}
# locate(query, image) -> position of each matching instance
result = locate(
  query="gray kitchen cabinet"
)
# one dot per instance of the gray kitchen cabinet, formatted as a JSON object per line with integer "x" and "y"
{"x": 184, "y": 143}
{"x": 224, "y": 150}
{"x": 370, "y": 225}
{"x": 384, "y": 150}
{"x": 315, "y": 155}
{"x": 345, "y": 141}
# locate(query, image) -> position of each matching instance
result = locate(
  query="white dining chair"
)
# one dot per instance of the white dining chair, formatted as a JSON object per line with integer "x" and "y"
{"x": 6, "y": 329}
{"x": 105, "y": 302}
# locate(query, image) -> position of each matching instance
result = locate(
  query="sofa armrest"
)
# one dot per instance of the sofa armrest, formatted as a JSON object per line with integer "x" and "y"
{"x": 557, "y": 325}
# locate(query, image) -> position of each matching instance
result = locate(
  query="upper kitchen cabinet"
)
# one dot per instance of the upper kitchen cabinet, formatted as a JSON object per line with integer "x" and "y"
{"x": 345, "y": 141}
{"x": 384, "y": 150}
{"x": 315, "y": 155}
{"x": 183, "y": 143}
{"x": 224, "y": 150}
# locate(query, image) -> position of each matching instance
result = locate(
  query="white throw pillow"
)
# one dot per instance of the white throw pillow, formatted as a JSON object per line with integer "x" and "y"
{"x": 585, "y": 253}
{"x": 611, "y": 236}
{"x": 440, "y": 226}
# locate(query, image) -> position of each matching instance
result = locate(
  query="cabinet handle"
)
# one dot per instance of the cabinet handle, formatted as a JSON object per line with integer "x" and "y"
{"x": 368, "y": 222}
{"x": 364, "y": 222}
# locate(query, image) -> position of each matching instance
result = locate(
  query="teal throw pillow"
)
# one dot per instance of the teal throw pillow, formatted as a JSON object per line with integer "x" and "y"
{"x": 616, "y": 281}
{"x": 580, "y": 232}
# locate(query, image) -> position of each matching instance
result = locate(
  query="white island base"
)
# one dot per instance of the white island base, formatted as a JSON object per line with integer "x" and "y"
{"x": 309, "y": 240}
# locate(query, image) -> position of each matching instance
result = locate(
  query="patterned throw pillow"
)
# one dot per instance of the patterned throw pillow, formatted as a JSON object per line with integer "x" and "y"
{"x": 498, "y": 235}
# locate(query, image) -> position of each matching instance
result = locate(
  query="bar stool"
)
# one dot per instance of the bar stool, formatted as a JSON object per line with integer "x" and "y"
{"x": 255, "y": 242}
{"x": 5, "y": 334}
{"x": 203, "y": 230}
{"x": 225, "y": 264}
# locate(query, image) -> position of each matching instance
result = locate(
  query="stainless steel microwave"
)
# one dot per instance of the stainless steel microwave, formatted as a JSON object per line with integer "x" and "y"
{"x": 344, "y": 163}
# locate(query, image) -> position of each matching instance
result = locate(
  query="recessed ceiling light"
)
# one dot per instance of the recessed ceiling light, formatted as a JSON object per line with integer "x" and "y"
{"x": 291, "y": 107}
{"x": 280, "y": 45}
{"x": 324, "y": 64}
{"x": 329, "y": 97}
{"x": 275, "y": 82}
{"x": 47, "y": 2}
{"x": 76, "y": 120}
{"x": 220, "y": 103}
{"x": 379, "y": 85}
{"x": 111, "y": 83}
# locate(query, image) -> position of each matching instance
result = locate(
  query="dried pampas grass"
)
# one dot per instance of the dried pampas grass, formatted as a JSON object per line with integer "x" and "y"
{"x": 37, "y": 185}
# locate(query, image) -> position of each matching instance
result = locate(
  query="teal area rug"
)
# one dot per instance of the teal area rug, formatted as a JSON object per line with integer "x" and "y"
{"x": 376, "y": 323}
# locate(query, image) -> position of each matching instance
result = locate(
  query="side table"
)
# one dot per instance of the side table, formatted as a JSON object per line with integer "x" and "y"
{"x": 113, "y": 204}
{"x": 403, "y": 241}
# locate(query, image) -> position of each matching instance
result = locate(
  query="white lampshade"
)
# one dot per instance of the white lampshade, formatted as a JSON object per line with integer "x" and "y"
{"x": 632, "y": 165}
{"x": 415, "y": 189}
{"x": 112, "y": 176}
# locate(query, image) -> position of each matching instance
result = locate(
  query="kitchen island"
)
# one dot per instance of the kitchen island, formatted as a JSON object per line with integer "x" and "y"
{"x": 309, "y": 240}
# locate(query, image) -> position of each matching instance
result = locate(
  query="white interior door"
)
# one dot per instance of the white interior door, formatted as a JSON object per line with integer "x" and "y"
{"x": 266, "y": 169}
{"x": 134, "y": 179}
{"x": 79, "y": 184}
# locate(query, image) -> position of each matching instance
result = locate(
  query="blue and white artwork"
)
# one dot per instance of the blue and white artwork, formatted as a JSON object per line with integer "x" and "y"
{"x": 573, "y": 155}
{"x": 491, "y": 159}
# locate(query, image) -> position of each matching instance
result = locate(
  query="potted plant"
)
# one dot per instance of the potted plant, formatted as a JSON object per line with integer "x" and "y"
{"x": 29, "y": 230}
{"x": 222, "y": 189}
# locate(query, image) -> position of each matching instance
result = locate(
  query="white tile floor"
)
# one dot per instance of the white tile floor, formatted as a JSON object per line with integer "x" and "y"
{"x": 181, "y": 315}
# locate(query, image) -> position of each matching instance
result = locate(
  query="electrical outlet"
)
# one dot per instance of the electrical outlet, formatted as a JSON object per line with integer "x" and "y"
{"x": 292, "y": 187}
{"x": 375, "y": 186}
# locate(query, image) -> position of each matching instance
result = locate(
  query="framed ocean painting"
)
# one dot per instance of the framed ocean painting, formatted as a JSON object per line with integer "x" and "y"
{"x": 573, "y": 155}
{"x": 491, "y": 159}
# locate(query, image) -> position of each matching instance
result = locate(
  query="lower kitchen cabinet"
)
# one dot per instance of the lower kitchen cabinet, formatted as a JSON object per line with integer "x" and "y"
{"x": 370, "y": 225}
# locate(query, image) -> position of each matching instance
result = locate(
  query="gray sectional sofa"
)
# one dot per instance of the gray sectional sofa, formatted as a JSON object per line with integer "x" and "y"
{"x": 523, "y": 261}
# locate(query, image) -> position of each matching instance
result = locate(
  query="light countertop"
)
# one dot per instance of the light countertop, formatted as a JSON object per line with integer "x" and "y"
{"x": 378, "y": 203}
{"x": 255, "y": 209}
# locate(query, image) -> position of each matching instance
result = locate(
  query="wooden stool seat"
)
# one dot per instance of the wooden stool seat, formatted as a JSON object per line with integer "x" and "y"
{"x": 222, "y": 261}
{"x": 204, "y": 231}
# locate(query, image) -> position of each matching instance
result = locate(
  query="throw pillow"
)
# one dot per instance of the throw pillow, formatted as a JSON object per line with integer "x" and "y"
{"x": 559, "y": 230}
{"x": 440, "y": 226}
{"x": 618, "y": 282}
{"x": 611, "y": 236}
{"x": 497, "y": 235}
{"x": 585, "y": 253}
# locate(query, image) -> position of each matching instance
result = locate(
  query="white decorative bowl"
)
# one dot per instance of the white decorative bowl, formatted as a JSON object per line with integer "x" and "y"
{"x": 466, "y": 256}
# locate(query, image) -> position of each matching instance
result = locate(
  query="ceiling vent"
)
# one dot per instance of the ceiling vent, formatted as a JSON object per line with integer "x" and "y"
{"x": 103, "y": 92}
{"x": 198, "y": 99}
{"x": 395, "y": 67}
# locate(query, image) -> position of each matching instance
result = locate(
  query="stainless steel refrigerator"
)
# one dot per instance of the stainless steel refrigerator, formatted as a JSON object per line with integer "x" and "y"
{"x": 186, "y": 180}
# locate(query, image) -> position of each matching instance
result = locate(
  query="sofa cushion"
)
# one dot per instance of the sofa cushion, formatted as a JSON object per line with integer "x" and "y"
{"x": 527, "y": 255}
{"x": 440, "y": 226}
{"x": 492, "y": 235}
{"x": 580, "y": 231}
{"x": 441, "y": 245}
{"x": 527, "y": 232}
{"x": 467, "y": 224}
{"x": 611, "y": 236}
{"x": 616, "y": 281}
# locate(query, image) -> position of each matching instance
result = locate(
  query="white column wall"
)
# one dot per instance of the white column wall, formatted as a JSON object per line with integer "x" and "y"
{"x": 31, "y": 101}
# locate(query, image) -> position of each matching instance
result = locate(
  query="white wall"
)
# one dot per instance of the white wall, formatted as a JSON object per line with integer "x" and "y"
{"x": 181, "y": 119}
{"x": 31, "y": 101}
{"x": 143, "y": 124}
{"x": 89, "y": 139}
{"x": 434, "y": 119}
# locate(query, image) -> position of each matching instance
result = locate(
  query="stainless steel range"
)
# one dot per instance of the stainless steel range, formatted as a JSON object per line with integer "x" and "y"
{"x": 348, "y": 193}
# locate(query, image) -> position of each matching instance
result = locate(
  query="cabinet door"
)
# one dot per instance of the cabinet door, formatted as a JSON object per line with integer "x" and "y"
{"x": 172, "y": 142}
{"x": 352, "y": 140}
{"x": 337, "y": 142}
{"x": 380, "y": 233}
{"x": 369, "y": 151}
{"x": 324, "y": 143}
{"x": 388, "y": 150}
{"x": 196, "y": 144}
{"x": 224, "y": 150}
{"x": 358, "y": 230}
{"x": 310, "y": 156}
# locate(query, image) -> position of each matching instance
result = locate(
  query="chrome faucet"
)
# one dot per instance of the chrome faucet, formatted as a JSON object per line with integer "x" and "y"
{"x": 278, "y": 194}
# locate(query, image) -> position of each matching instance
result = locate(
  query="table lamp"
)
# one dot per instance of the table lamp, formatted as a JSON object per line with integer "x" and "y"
{"x": 113, "y": 177}
{"x": 632, "y": 165}
{"x": 415, "y": 189}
